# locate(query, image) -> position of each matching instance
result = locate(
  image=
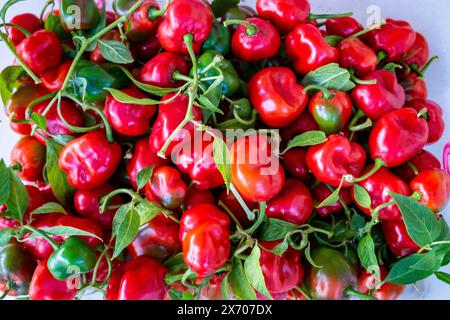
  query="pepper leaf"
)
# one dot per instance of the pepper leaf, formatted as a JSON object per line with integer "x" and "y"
{"x": 9, "y": 81}
{"x": 39, "y": 120}
{"x": 274, "y": 229}
{"x": 5, "y": 182}
{"x": 225, "y": 288}
{"x": 368, "y": 257}
{"x": 50, "y": 207}
{"x": 219, "y": 7}
{"x": 18, "y": 199}
{"x": 306, "y": 139}
{"x": 444, "y": 277}
{"x": 362, "y": 197}
{"x": 330, "y": 76}
{"x": 281, "y": 248}
{"x": 176, "y": 263}
{"x": 222, "y": 159}
{"x": 126, "y": 225}
{"x": 115, "y": 51}
{"x": 332, "y": 198}
{"x": 333, "y": 40}
{"x": 6, "y": 235}
{"x": 253, "y": 271}
{"x": 64, "y": 231}
{"x": 125, "y": 98}
{"x": 53, "y": 23}
{"x": 239, "y": 282}
{"x": 148, "y": 211}
{"x": 143, "y": 177}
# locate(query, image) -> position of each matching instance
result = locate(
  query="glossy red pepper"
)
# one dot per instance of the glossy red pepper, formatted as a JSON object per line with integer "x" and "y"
{"x": 398, "y": 239}
{"x": 230, "y": 201}
{"x": 28, "y": 21}
{"x": 256, "y": 40}
{"x": 141, "y": 278}
{"x": 145, "y": 50}
{"x": 419, "y": 53}
{"x": 293, "y": 204}
{"x": 415, "y": 87}
{"x": 333, "y": 159}
{"x": 281, "y": 273}
{"x": 166, "y": 187}
{"x": 410, "y": 130}
{"x": 160, "y": 69}
{"x": 433, "y": 186}
{"x": 354, "y": 54}
{"x": 170, "y": 115}
{"x": 423, "y": 161}
{"x": 143, "y": 157}
{"x": 44, "y": 286}
{"x": 41, "y": 51}
{"x": 196, "y": 196}
{"x": 143, "y": 22}
{"x": 90, "y": 160}
{"x": 304, "y": 123}
{"x": 53, "y": 79}
{"x": 255, "y": 170}
{"x": 343, "y": 27}
{"x": 36, "y": 198}
{"x": 185, "y": 17}
{"x": 294, "y": 161}
{"x": 379, "y": 98}
{"x": 126, "y": 118}
{"x": 387, "y": 291}
{"x": 276, "y": 95}
{"x": 434, "y": 117}
{"x": 87, "y": 204}
{"x": 96, "y": 55}
{"x": 379, "y": 185}
{"x": 156, "y": 239}
{"x": 29, "y": 153}
{"x": 308, "y": 50}
{"x": 395, "y": 38}
{"x": 321, "y": 192}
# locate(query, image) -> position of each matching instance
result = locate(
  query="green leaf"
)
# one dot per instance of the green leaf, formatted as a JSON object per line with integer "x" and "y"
{"x": 115, "y": 51}
{"x": 306, "y": 139}
{"x": 254, "y": 273}
{"x": 147, "y": 211}
{"x": 17, "y": 202}
{"x": 420, "y": 221}
{"x": 39, "y": 120}
{"x": 51, "y": 207}
{"x": 332, "y": 198}
{"x": 362, "y": 197}
{"x": 275, "y": 229}
{"x": 144, "y": 176}
{"x": 330, "y": 76}
{"x": 211, "y": 99}
{"x": 445, "y": 231}
{"x": 125, "y": 98}
{"x": 281, "y": 248}
{"x": 126, "y": 225}
{"x": 55, "y": 176}
{"x": 239, "y": 282}
{"x": 357, "y": 224}
{"x": 9, "y": 82}
{"x": 222, "y": 159}
{"x": 225, "y": 288}
{"x": 444, "y": 277}
{"x": 333, "y": 40}
{"x": 5, "y": 8}
{"x": 5, "y": 182}
{"x": 368, "y": 257}
{"x": 6, "y": 235}
{"x": 53, "y": 23}
{"x": 176, "y": 263}
{"x": 219, "y": 7}
{"x": 66, "y": 231}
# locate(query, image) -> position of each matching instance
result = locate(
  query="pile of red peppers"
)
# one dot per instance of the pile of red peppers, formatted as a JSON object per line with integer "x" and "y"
{"x": 327, "y": 192}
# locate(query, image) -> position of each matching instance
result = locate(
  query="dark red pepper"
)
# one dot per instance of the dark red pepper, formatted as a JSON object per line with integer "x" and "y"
{"x": 230, "y": 201}
{"x": 160, "y": 69}
{"x": 196, "y": 196}
{"x": 419, "y": 53}
{"x": 53, "y": 79}
{"x": 29, "y": 153}
{"x": 28, "y": 21}
{"x": 321, "y": 192}
{"x": 415, "y": 87}
{"x": 423, "y": 161}
{"x": 343, "y": 27}
{"x": 433, "y": 188}
{"x": 304, "y": 123}
{"x": 96, "y": 55}
{"x": 354, "y": 54}
{"x": 434, "y": 117}
{"x": 294, "y": 161}
{"x": 143, "y": 22}
{"x": 145, "y": 50}
{"x": 398, "y": 239}
{"x": 387, "y": 291}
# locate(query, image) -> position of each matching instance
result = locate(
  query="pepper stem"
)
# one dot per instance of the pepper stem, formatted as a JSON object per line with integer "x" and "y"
{"x": 104, "y": 201}
{"x": 52, "y": 242}
{"x": 377, "y": 166}
{"x": 16, "y": 26}
{"x": 326, "y": 93}
{"x": 413, "y": 167}
{"x": 259, "y": 220}
{"x": 352, "y": 292}
{"x": 367, "y": 30}
{"x": 154, "y": 13}
{"x": 227, "y": 210}
{"x": 427, "y": 65}
{"x": 303, "y": 292}
{"x": 313, "y": 16}
{"x": 251, "y": 28}
{"x": 250, "y": 214}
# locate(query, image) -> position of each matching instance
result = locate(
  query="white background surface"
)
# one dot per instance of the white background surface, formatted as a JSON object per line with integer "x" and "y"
{"x": 428, "y": 17}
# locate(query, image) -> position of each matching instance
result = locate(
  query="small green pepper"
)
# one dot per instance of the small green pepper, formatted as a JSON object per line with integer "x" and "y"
{"x": 219, "y": 39}
{"x": 79, "y": 14}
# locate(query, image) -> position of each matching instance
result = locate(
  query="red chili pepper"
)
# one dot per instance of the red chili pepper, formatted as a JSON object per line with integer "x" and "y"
{"x": 379, "y": 185}
{"x": 29, "y": 153}
{"x": 90, "y": 160}
{"x": 185, "y": 17}
{"x": 387, "y": 291}
{"x": 139, "y": 279}
{"x": 433, "y": 186}
{"x": 276, "y": 95}
{"x": 377, "y": 99}
{"x": 321, "y": 192}
{"x": 44, "y": 286}
{"x": 127, "y": 118}
{"x": 166, "y": 187}
{"x": 434, "y": 117}
{"x": 170, "y": 115}
{"x": 157, "y": 239}
{"x": 395, "y": 38}
{"x": 36, "y": 198}
{"x": 308, "y": 50}
{"x": 304, "y": 123}
{"x": 415, "y": 87}
{"x": 145, "y": 50}
{"x": 143, "y": 22}
{"x": 419, "y": 53}
{"x": 423, "y": 161}
{"x": 256, "y": 172}
{"x": 96, "y": 55}
{"x": 53, "y": 79}
{"x": 196, "y": 196}
{"x": 354, "y": 54}
{"x": 230, "y": 201}
{"x": 87, "y": 204}
{"x": 294, "y": 161}
{"x": 28, "y": 21}
{"x": 41, "y": 51}
{"x": 398, "y": 239}
{"x": 343, "y": 27}
{"x": 255, "y": 40}
{"x": 143, "y": 157}
{"x": 293, "y": 204}
{"x": 410, "y": 132}
{"x": 160, "y": 69}
{"x": 281, "y": 273}
{"x": 335, "y": 158}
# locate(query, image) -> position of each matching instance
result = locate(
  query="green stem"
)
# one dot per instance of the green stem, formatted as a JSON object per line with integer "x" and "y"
{"x": 313, "y": 16}
{"x": 109, "y": 133}
{"x": 30, "y": 107}
{"x": 381, "y": 56}
{"x": 244, "y": 122}
{"x": 251, "y": 28}
{"x": 227, "y": 210}
{"x": 367, "y": 30}
{"x": 105, "y": 200}
{"x": 154, "y": 13}
{"x": 352, "y": 292}
{"x": 427, "y": 65}
{"x": 259, "y": 220}
{"x": 178, "y": 76}
{"x": 52, "y": 242}
{"x": 360, "y": 81}
{"x": 377, "y": 166}
{"x": 326, "y": 93}
{"x": 413, "y": 167}
{"x": 250, "y": 214}
{"x": 16, "y": 26}
{"x": 346, "y": 209}
{"x": 248, "y": 243}
{"x": 72, "y": 128}
{"x": 303, "y": 292}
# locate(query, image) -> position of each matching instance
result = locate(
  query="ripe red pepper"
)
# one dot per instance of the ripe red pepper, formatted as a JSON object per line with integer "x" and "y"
{"x": 230, "y": 201}
{"x": 434, "y": 117}
{"x": 185, "y": 17}
{"x": 36, "y": 198}
{"x": 204, "y": 232}
{"x": 28, "y": 21}
{"x": 343, "y": 27}
{"x": 160, "y": 69}
{"x": 281, "y": 273}
{"x": 294, "y": 161}
{"x": 145, "y": 50}
{"x": 196, "y": 196}
{"x": 419, "y": 53}
{"x": 423, "y": 161}
{"x": 293, "y": 204}
{"x": 166, "y": 187}
{"x": 379, "y": 185}
{"x": 143, "y": 157}
{"x": 41, "y": 51}
{"x": 377, "y": 99}
{"x": 255, "y": 40}
{"x": 308, "y": 50}
{"x": 354, "y": 54}
{"x": 44, "y": 286}
{"x": 398, "y": 239}
{"x": 276, "y": 95}
{"x": 321, "y": 192}
{"x": 53, "y": 79}
{"x": 95, "y": 55}
{"x": 143, "y": 22}
{"x": 141, "y": 278}
{"x": 87, "y": 204}
{"x": 157, "y": 239}
{"x": 410, "y": 132}
{"x": 433, "y": 186}
{"x": 387, "y": 291}
{"x": 395, "y": 38}
{"x": 198, "y": 162}
{"x": 415, "y": 87}
{"x": 170, "y": 115}
{"x": 304, "y": 123}
{"x": 126, "y": 118}
{"x": 255, "y": 169}
{"x": 90, "y": 160}
{"x": 29, "y": 153}
{"x": 333, "y": 159}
